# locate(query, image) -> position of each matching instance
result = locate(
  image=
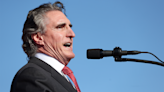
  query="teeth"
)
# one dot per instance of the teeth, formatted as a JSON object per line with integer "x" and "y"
{"x": 67, "y": 44}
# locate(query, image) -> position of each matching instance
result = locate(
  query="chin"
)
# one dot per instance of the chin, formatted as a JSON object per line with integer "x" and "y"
{"x": 70, "y": 56}
{"x": 69, "y": 59}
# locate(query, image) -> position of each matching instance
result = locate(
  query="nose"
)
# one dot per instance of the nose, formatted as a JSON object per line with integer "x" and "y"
{"x": 70, "y": 33}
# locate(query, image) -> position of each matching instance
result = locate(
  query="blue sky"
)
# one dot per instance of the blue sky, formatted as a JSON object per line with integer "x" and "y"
{"x": 106, "y": 24}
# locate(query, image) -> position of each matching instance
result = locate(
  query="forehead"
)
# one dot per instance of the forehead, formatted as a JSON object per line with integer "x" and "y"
{"x": 57, "y": 17}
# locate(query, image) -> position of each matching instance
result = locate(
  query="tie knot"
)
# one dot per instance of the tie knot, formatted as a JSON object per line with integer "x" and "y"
{"x": 66, "y": 70}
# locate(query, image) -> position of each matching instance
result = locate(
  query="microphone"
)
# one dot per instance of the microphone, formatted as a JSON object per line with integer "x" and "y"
{"x": 116, "y": 52}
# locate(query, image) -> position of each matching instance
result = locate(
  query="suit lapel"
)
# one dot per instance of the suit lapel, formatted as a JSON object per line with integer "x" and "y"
{"x": 67, "y": 85}
{"x": 62, "y": 80}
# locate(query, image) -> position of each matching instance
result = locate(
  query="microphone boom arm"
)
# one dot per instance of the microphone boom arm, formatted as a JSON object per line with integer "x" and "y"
{"x": 138, "y": 60}
{"x": 117, "y": 57}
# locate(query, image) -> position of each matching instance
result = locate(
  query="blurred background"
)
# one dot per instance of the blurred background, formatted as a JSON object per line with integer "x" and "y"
{"x": 105, "y": 24}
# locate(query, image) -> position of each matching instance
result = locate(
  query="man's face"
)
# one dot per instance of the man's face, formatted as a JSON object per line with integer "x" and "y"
{"x": 58, "y": 37}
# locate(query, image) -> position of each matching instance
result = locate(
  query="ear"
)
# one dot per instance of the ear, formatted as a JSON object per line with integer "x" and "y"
{"x": 38, "y": 39}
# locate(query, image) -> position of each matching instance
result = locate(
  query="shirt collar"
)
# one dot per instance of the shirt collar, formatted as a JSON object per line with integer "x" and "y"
{"x": 51, "y": 61}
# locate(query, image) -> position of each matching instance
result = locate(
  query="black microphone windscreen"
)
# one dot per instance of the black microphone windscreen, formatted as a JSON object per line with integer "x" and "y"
{"x": 94, "y": 53}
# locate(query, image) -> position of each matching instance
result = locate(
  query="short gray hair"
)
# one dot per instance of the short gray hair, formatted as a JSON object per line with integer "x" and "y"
{"x": 35, "y": 23}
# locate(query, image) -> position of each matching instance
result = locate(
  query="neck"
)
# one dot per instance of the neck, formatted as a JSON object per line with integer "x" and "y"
{"x": 53, "y": 54}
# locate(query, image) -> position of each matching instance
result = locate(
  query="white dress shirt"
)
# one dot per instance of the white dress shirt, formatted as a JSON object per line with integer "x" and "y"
{"x": 52, "y": 62}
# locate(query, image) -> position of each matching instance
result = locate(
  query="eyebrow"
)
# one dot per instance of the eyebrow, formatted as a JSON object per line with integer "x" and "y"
{"x": 61, "y": 25}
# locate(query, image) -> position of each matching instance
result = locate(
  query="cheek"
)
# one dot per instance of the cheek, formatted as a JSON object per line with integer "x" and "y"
{"x": 57, "y": 40}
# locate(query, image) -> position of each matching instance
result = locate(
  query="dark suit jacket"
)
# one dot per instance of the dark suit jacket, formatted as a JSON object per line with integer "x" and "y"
{"x": 37, "y": 76}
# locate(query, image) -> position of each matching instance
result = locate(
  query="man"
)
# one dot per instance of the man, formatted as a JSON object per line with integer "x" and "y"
{"x": 47, "y": 41}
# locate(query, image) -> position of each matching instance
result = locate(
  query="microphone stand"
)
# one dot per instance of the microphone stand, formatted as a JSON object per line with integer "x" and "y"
{"x": 139, "y": 60}
{"x": 117, "y": 55}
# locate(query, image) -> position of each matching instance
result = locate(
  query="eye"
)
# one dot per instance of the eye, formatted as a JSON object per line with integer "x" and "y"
{"x": 61, "y": 25}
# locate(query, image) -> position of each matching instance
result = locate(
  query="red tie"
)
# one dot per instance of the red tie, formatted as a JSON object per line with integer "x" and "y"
{"x": 66, "y": 70}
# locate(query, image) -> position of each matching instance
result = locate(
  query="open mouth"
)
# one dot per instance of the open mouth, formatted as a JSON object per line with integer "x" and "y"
{"x": 67, "y": 44}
